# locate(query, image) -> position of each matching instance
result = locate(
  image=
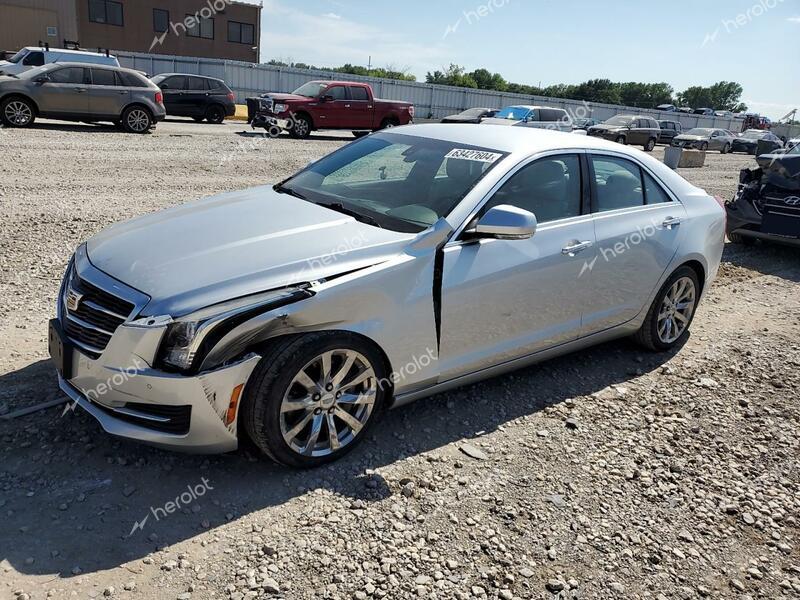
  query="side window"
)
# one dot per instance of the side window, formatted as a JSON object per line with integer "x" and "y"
{"x": 103, "y": 77}
{"x": 338, "y": 92}
{"x": 653, "y": 192}
{"x": 34, "y": 59}
{"x": 550, "y": 188}
{"x": 618, "y": 183}
{"x": 173, "y": 83}
{"x": 359, "y": 94}
{"x": 195, "y": 84}
{"x": 68, "y": 75}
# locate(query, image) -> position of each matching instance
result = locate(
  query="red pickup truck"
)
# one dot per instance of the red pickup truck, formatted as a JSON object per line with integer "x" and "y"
{"x": 331, "y": 105}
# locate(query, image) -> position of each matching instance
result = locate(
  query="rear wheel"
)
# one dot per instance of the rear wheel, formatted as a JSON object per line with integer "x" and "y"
{"x": 314, "y": 397}
{"x": 215, "y": 114}
{"x": 620, "y": 139}
{"x": 389, "y": 123}
{"x": 136, "y": 119}
{"x": 725, "y": 149}
{"x": 650, "y": 145}
{"x": 668, "y": 320}
{"x": 17, "y": 112}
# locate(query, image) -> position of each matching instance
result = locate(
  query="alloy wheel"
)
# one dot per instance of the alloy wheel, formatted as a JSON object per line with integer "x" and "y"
{"x": 138, "y": 120}
{"x": 676, "y": 310}
{"x": 301, "y": 127}
{"x": 18, "y": 113}
{"x": 328, "y": 402}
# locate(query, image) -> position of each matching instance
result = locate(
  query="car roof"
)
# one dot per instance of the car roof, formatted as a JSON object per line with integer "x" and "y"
{"x": 60, "y": 65}
{"x": 66, "y": 51}
{"x": 188, "y": 75}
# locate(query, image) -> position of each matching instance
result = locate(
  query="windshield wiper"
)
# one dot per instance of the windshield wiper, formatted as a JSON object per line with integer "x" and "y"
{"x": 339, "y": 207}
{"x": 282, "y": 189}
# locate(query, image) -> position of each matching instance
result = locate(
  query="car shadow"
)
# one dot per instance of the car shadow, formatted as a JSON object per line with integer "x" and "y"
{"x": 76, "y": 500}
{"x": 76, "y": 127}
{"x": 766, "y": 258}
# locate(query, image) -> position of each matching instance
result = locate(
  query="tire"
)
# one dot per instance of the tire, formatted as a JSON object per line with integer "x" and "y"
{"x": 738, "y": 238}
{"x": 725, "y": 149}
{"x": 285, "y": 434}
{"x": 301, "y": 130}
{"x": 388, "y": 123}
{"x": 650, "y": 145}
{"x": 654, "y": 333}
{"x": 620, "y": 139}
{"x": 704, "y": 146}
{"x": 215, "y": 114}
{"x": 137, "y": 119}
{"x": 17, "y": 112}
{"x": 360, "y": 134}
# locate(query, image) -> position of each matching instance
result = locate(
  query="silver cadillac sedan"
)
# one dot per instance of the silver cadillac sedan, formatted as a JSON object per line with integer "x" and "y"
{"x": 406, "y": 263}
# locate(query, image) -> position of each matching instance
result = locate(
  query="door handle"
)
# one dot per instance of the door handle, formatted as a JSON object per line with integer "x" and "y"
{"x": 347, "y": 106}
{"x": 575, "y": 248}
{"x": 80, "y": 90}
{"x": 671, "y": 222}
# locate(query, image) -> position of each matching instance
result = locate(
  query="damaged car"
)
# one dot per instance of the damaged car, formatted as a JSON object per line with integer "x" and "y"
{"x": 404, "y": 264}
{"x": 767, "y": 203}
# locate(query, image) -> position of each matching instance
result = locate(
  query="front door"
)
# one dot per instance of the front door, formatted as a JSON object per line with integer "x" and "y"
{"x": 638, "y": 230}
{"x": 504, "y": 299}
{"x": 66, "y": 93}
{"x": 334, "y": 108}
{"x": 107, "y": 96}
{"x": 172, "y": 88}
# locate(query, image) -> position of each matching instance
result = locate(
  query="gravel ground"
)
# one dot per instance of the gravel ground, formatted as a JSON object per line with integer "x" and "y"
{"x": 611, "y": 473}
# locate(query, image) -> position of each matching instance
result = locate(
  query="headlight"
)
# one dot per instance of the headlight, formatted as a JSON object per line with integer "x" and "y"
{"x": 280, "y": 108}
{"x": 195, "y": 334}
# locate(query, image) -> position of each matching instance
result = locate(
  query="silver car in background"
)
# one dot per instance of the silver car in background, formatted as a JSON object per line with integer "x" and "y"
{"x": 538, "y": 117}
{"x": 702, "y": 138}
{"x": 404, "y": 264}
{"x": 81, "y": 92}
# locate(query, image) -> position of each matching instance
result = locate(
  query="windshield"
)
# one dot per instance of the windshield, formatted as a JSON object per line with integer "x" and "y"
{"x": 18, "y": 56}
{"x": 513, "y": 113}
{"x": 400, "y": 182}
{"x": 619, "y": 121}
{"x": 312, "y": 89}
{"x": 699, "y": 131}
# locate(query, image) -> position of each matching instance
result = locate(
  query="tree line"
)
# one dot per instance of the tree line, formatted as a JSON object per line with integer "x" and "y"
{"x": 724, "y": 95}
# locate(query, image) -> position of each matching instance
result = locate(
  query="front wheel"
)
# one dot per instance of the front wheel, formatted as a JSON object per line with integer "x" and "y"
{"x": 650, "y": 145}
{"x": 668, "y": 320}
{"x": 704, "y": 146}
{"x": 314, "y": 397}
{"x": 725, "y": 149}
{"x": 136, "y": 119}
{"x": 738, "y": 238}
{"x": 620, "y": 139}
{"x": 301, "y": 129}
{"x": 17, "y": 112}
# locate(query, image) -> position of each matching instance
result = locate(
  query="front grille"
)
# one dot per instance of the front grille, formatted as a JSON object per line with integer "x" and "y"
{"x": 91, "y": 323}
{"x": 166, "y": 419}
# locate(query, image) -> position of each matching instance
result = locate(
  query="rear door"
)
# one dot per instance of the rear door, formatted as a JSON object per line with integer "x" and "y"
{"x": 172, "y": 88}
{"x": 638, "y": 229}
{"x": 66, "y": 93}
{"x": 504, "y": 299}
{"x": 195, "y": 97}
{"x": 107, "y": 95}
{"x": 361, "y": 110}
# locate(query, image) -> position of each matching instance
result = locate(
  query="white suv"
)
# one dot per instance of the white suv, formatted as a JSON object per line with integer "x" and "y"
{"x": 34, "y": 56}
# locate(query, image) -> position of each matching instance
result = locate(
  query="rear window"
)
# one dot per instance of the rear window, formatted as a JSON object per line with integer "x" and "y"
{"x": 195, "y": 84}
{"x": 103, "y": 77}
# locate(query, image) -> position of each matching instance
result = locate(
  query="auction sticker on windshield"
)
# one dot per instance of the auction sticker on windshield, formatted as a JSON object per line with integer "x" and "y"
{"x": 478, "y": 155}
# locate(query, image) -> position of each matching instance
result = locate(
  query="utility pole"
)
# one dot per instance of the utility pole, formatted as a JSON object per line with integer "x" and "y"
{"x": 369, "y": 64}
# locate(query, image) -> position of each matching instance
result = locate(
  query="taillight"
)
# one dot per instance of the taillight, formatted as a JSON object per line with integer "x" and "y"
{"x": 159, "y": 98}
{"x": 231, "y": 97}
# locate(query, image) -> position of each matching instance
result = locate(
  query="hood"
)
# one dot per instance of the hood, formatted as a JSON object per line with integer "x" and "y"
{"x": 233, "y": 245}
{"x": 690, "y": 138}
{"x": 289, "y": 98}
{"x": 781, "y": 170}
{"x": 496, "y": 121}
{"x": 604, "y": 127}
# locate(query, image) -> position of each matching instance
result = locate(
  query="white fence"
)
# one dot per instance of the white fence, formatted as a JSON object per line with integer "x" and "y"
{"x": 431, "y": 101}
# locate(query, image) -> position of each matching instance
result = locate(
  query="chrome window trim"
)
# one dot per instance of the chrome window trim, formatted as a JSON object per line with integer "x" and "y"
{"x": 454, "y": 238}
{"x": 656, "y": 178}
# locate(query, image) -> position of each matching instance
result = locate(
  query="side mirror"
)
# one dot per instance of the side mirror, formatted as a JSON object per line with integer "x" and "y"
{"x": 327, "y": 98}
{"x": 505, "y": 222}
{"x": 42, "y": 79}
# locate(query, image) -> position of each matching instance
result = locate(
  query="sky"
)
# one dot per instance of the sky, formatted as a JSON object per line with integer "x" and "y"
{"x": 543, "y": 42}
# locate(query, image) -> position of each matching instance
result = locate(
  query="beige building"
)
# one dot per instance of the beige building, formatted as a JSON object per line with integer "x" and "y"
{"x": 204, "y": 28}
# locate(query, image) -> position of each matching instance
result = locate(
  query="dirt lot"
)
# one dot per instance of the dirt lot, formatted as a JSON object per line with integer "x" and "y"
{"x": 611, "y": 473}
